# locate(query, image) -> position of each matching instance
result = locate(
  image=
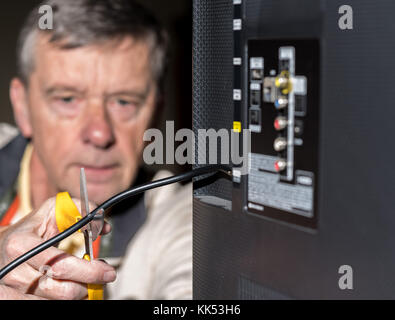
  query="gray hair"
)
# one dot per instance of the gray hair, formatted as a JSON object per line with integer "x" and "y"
{"x": 77, "y": 23}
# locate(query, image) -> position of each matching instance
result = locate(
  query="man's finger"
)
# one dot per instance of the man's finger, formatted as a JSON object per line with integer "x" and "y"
{"x": 106, "y": 228}
{"x": 60, "y": 289}
{"x": 79, "y": 270}
{"x": 63, "y": 266}
{"x": 27, "y": 280}
{"x": 22, "y": 278}
{"x": 7, "y": 293}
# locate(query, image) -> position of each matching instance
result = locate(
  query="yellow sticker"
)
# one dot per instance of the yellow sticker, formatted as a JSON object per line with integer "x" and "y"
{"x": 237, "y": 126}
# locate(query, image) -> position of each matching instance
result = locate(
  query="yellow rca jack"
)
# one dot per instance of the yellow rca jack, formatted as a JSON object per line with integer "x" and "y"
{"x": 283, "y": 82}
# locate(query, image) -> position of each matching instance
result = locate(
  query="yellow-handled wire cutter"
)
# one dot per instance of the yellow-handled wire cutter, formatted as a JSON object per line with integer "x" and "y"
{"x": 67, "y": 214}
{"x": 95, "y": 291}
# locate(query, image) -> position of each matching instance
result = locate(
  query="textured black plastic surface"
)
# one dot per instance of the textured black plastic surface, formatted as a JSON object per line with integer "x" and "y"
{"x": 212, "y": 78}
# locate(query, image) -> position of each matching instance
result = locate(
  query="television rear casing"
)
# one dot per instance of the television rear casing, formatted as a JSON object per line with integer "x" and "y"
{"x": 241, "y": 254}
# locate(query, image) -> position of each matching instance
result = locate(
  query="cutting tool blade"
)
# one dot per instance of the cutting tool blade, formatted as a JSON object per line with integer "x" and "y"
{"x": 83, "y": 194}
{"x": 84, "y": 211}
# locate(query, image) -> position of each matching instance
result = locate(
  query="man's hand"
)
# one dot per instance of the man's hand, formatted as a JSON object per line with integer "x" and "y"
{"x": 7, "y": 293}
{"x": 52, "y": 274}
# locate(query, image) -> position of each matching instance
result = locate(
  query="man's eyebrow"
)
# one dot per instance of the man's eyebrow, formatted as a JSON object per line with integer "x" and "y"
{"x": 54, "y": 89}
{"x": 141, "y": 94}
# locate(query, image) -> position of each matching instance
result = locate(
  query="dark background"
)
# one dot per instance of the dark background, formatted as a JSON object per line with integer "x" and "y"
{"x": 176, "y": 15}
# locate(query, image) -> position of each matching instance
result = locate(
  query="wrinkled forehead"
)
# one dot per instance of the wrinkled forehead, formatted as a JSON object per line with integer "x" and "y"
{"x": 105, "y": 63}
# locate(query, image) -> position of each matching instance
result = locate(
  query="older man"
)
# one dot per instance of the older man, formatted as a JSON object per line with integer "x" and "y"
{"x": 86, "y": 92}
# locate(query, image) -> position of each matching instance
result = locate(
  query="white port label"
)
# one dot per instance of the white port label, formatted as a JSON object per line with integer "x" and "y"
{"x": 237, "y": 24}
{"x": 287, "y": 53}
{"x": 236, "y": 1}
{"x": 237, "y": 94}
{"x": 299, "y": 85}
{"x": 236, "y": 173}
{"x": 255, "y": 86}
{"x": 255, "y": 128}
{"x": 237, "y": 61}
{"x": 256, "y": 63}
{"x": 308, "y": 181}
{"x": 255, "y": 206}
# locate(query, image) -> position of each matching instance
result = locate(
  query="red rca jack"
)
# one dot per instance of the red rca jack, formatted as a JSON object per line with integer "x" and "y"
{"x": 280, "y": 123}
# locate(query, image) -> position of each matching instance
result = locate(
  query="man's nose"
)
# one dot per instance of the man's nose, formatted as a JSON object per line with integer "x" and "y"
{"x": 98, "y": 129}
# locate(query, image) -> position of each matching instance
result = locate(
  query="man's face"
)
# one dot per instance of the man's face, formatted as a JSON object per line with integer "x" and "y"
{"x": 89, "y": 107}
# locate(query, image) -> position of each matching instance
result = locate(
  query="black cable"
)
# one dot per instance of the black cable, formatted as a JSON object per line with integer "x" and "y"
{"x": 107, "y": 205}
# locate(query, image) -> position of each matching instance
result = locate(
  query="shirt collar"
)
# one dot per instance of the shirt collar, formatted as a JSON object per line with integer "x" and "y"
{"x": 23, "y": 182}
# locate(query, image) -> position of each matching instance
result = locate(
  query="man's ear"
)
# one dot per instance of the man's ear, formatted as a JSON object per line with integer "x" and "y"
{"x": 18, "y": 96}
{"x": 158, "y": 112}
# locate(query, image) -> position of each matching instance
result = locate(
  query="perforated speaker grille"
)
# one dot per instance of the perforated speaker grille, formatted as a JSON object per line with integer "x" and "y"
{"x": 212, "y": 78}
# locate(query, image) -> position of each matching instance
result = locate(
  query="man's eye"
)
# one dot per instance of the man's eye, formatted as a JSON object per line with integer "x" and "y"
{"x": 67, "y": 99}
{"x": 123, "y": 102}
